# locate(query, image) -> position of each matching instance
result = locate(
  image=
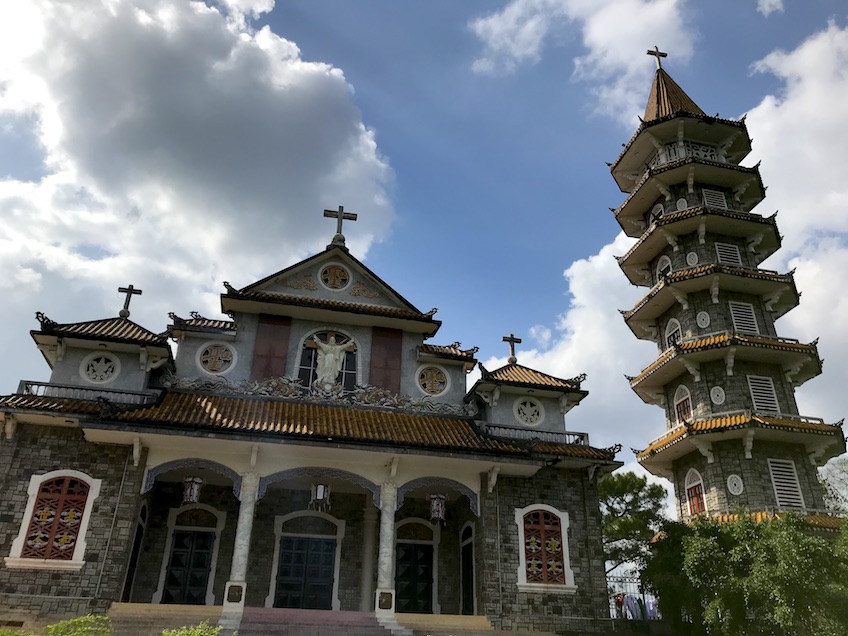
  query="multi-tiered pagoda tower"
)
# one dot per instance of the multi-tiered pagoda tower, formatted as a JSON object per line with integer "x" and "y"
{"x": 724, "y": 377}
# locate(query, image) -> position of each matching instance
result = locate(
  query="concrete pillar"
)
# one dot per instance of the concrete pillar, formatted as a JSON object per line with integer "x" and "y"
{"x": 369, "y": 542}
{"x": 237, "y": 585}
{"x": 386, "y": 556}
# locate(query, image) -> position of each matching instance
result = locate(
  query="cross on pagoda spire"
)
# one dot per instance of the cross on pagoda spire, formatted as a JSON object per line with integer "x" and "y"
{"x": 340, "y": 215}
{"x": 512, "y": 340}
{"x": 130, "y": 292}
{"x": 657, "y": 54}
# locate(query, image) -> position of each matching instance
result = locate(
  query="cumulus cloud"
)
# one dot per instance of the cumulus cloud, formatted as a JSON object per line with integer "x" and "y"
{"x": 180, "y": 148}
{"x": 609, "y": 30}
{"x": 767, "y": 7}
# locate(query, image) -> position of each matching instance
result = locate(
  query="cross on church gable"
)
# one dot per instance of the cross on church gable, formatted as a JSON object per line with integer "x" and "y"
{"x": 340, "y": 215}
{"x": 657, "y": 54}
{"x": 512, "y": 340}
{"x": 130, "y": 291}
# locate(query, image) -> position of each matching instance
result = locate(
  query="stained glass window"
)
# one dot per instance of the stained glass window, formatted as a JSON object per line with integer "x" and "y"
{"x": 56, "y": 519}
{"x": 543, "y": 547}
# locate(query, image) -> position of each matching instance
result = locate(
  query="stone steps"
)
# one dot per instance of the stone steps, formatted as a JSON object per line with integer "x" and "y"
{"x": 446, "y": 625}
{"x": 262, "y": 621}
{"x": 145, "y": 619}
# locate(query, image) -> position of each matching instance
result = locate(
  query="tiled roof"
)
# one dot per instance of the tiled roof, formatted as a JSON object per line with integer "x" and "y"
{"x": 741, "y": 420}
{"x": 334, "y": 305}
{"x": 517, "y": 375}
{"x": 307, "y": 421}
{"x": 110, "y": 329}
{"x": 823, "y": 522}
{"x": 199, "y": 323}
{"x": 667, "y": 98}
{"x": 450, "y": 351}
{"x": 725, "y": 339}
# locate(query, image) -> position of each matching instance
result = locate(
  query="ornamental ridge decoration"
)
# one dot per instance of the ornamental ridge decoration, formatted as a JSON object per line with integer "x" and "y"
{"x": 336, "y": 395}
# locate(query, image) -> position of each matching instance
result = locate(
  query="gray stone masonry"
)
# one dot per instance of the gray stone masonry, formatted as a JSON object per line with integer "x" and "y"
{"x": 497, "y": 555}
{"x": 758, "y": 494}
{"x": 31, "y": 595}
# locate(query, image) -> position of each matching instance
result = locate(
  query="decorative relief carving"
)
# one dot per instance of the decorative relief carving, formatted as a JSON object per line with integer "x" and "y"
{"x": 432, "y": 380}
{"x": 335, "y": 277}
{"x": 216, "y": 358}
{"x": 289, "y": 388}
{"x": 359, "y": 289}
{"x": 100, "y": 367}
{"x": 304, "y": 282}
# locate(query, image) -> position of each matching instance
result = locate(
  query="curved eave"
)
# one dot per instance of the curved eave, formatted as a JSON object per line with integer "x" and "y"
{"x": 826, "y": 440}
{"x": 777, "y": 290}
{"x": 573, "y": 395}
{"x": 711, "y": 131}
{"x": 760, "y": 233}
{"x": 745, "y": 181}
{"x": 800, "y": 360}
{"x": 128, "y": 345}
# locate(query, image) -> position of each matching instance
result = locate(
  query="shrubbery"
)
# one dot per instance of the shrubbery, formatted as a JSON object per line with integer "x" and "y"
{"x": 204, "y": 629}
{"x": 101, "y": 626}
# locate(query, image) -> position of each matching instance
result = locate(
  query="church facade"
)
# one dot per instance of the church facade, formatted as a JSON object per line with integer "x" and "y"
{"x": 312, "y": 450}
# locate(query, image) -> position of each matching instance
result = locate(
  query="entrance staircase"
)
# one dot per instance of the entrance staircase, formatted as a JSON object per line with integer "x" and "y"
{"x": 145, "y": 619}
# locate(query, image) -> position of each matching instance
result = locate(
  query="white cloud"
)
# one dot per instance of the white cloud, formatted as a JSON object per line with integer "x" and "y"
{"x": 767, "y": 7}
{"x": 614, "y": 33}
{"x": 173, "y": 137}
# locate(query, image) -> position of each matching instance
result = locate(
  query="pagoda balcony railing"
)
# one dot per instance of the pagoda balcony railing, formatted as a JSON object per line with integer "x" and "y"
{"x": 674, "y": 151}
{"x": 731, "y": 333}
{"x": 513, "y": 432}
{"x": 47, "y": 389}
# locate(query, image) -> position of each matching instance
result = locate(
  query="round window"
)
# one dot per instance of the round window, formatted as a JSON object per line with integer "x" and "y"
{"x": 703, "y": 319}
{"x": 735, "y": 484}
{"x": 717, "y": 395}
{"x": 692, "y": 259}
{"x": 216, "y": 358}
{"x": 100, "y": 367}
{"x": 335, "y": 277}
{"x": 528, "y": 411}
{"x": 432, "y": 380}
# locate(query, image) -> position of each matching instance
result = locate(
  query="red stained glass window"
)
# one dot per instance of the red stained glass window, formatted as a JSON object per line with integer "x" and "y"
{"x": 543, "y": 548}
{"x": 695, "y": 494}
{"x": 56, "y": 519}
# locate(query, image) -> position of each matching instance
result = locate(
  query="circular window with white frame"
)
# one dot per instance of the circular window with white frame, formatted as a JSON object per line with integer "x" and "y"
{"x": 528, "y": 411}
{"x": 334, "y": 277}
{"x": 100, "y": 367}
{"x": 216, "y": 358}
{"x": 432, "y": 379}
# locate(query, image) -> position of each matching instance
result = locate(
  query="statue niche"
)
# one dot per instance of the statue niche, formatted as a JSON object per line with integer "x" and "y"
{"x": 328, "y": 359}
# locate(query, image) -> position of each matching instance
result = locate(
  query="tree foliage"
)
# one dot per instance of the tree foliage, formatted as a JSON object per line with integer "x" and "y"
{"x": 632, "y": 513}
{"x": 745, "y": 578}
{"x": 833, "y": 477}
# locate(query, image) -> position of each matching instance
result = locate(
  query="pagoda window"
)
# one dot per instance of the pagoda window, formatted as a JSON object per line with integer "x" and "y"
{"x": 715, "y": 199}
{"x": 763, "y": 395}
{"x": 656, "y": 212}
{"x": 784, "y": 480}
{"x": 744, "y": 319}
{"x": 663, "y": 267}
{"x": 55, "y": 521}
{"x": 673, "y": 333}
{"x": 682, "y": 405}
{"x": 728, "y": 254}
{"x": 342, "y": 345}
{"x": 543, "y": 553}
{"x": 695, "y": 492}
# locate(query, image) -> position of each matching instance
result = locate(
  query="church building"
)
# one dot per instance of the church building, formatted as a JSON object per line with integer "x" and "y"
{"x": 312, "y": 450}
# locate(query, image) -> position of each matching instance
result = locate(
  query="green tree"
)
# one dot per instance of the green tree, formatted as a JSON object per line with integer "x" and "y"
{"x": 833, "y": 477}
{"x": 744, "y": 577}
{"x": 632, "y": 513}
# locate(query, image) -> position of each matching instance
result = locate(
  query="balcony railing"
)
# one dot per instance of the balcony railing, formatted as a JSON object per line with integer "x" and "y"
{"x": 575, "y": 439}
{"x": 46, "y": 389}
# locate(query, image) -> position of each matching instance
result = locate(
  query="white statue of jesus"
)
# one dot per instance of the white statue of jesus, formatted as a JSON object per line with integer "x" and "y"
{"x": 330, "y": 360}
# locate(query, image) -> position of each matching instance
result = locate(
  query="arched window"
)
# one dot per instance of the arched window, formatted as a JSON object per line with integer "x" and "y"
{"x": 55, "y": 521}
{"x": 682, "y": 404}
{"x": 544, "y": 561}
{"x": 663, "y": 267}
{"x": 341, "y": 346}
{"x": 695, "y": 492}
{"x": 673, "y": 333}
{"x": 656, "y": 212}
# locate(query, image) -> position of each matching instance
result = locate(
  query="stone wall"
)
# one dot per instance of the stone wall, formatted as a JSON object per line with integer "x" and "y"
{"x": 31, "y": 595}
{"x": 497, "y": 555}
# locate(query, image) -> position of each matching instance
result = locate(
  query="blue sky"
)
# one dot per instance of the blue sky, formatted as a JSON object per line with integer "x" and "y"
{"x": 176, "y": 145}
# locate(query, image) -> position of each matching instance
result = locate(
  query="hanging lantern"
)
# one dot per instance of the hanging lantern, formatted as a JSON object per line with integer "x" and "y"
{"x": 320, "y": 497}
{"x": 437, "y": 508}
{"x": 191, "y": 489}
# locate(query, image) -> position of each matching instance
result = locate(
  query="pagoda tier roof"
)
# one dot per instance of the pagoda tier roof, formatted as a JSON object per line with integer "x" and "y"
{"x": 667, "y": 98}
{"x": 297, "y": 421}
{"x": 760, "y": 233}
{"x": 825, "y": 522}
{"x": 315, "y": 308}
{"x": 801, "y": 361}
{"x": 655, "y": 183}
{"x": 824, "y": 440}
{"x": 778, "y": 290}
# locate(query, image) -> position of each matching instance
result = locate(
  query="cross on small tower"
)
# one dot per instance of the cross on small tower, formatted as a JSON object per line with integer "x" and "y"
{"x": 657, "y": 54}
{"x": 340, "y": 215}
{"x": 130, "y": 292}
{"x": 512, "y": 340}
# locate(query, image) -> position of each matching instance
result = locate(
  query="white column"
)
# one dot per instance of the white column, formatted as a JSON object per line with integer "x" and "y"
{"x": 369, "y": 542}
{"x": 386, "y": 557}
{"x": 237, "y": 585}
